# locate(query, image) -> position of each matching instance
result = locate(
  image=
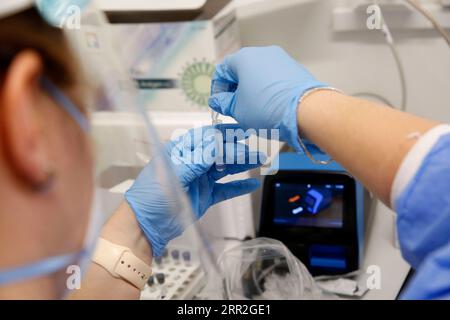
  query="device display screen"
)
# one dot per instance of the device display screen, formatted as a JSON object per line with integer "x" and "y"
{"x": 309, "y": 205}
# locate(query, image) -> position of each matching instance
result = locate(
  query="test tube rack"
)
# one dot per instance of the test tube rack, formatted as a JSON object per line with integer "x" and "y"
{"x": 177, "y": 275}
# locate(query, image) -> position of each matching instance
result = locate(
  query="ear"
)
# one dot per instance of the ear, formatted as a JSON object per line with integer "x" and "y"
{"x": 21, "y": 97}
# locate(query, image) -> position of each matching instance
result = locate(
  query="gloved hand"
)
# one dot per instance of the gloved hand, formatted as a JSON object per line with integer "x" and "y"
{"x": 192, "y": 157}
{"x": 269, "y": 86}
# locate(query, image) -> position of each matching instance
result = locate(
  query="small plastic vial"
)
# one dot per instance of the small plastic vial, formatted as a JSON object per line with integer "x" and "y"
{"x": 222, "y": 85}
{"x": 160, "y": 278}
{"x": 220, "y": 166}
{"x": 219, "y": 86}
{"x": 186, "y": 257}
{"x": 151, "y": 280}
{"x": 158, "y": 260}
{"x": 175, "y": 255}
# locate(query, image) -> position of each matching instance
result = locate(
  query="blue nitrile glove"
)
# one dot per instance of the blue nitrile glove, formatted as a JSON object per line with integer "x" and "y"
{"x": 193, "y": 164}
{"x": 269, "y": 86}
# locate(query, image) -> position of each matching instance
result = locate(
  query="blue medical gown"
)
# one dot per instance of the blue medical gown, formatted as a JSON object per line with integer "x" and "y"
{"x": 423, "y": 224}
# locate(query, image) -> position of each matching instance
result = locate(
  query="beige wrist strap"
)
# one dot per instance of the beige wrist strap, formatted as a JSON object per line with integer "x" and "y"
{"x": 120, "y": 262}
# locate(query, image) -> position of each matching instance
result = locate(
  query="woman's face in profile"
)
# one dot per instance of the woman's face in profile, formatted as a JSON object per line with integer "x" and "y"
{"x": 47, "y": 153}
{"x": 73, "y": 153}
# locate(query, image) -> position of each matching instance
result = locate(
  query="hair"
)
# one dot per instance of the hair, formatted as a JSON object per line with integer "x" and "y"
{"x": 27, "y": 30}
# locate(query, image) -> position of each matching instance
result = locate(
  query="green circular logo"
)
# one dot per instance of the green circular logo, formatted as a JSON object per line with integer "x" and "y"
{"x": 196, "y": 81}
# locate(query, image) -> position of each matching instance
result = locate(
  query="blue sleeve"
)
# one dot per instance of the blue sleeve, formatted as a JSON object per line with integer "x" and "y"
{"x": 432, "y": 280}
{"x": 423, "y": 207}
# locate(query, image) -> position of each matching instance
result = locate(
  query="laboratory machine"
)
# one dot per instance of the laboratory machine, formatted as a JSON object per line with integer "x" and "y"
{"x": 317, "y": 211}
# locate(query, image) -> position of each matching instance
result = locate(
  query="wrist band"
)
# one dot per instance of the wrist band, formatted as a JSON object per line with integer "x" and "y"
{"x": 120, "y": 262}
{"x": 300, "y": 140}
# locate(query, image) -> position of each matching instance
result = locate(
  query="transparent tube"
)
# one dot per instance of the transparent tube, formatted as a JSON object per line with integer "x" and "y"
{"x": 222, "y": 85}
{"x": 220, "y": 165}
{"x": 219, "y": 86}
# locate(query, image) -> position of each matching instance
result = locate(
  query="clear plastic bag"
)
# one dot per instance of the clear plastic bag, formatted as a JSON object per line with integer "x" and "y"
{"x": 264, "y": 268}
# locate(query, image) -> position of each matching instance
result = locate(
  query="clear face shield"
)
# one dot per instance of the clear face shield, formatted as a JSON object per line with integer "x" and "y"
{"x": 126, "y": 142}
